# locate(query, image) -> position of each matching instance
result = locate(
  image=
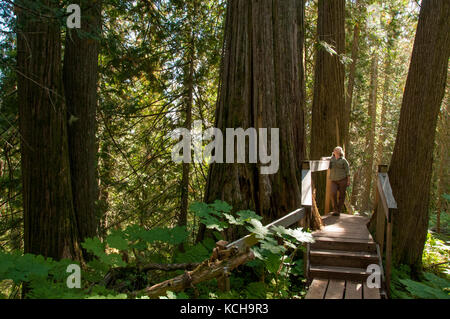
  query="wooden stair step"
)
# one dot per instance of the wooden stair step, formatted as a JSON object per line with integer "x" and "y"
{"x": 336, "y": 272}
{"x": 344, "y": 244}
{"x": 356, "y": 259}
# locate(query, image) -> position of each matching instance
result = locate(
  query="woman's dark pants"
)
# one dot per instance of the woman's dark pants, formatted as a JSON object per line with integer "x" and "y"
{"x": 340, "y": 186}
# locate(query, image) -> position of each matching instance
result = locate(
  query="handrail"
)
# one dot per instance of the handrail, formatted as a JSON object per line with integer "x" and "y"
{"x": 309, "y": 167}
{"x": 244, "y": 243}
{"x": 386, "y": 207}
{"x": 250, "y": 240}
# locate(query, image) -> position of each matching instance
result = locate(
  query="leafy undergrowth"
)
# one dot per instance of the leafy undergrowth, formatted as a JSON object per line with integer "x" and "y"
{"x": 435, "y": 283}
{"x": 116, "y": 269}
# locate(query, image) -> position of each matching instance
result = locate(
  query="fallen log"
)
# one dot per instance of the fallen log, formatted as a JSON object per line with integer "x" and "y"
{"x": 207, "y": 270}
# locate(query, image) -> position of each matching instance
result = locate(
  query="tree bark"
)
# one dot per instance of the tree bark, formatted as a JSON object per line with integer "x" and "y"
{"x": 351, "y": 80}
{"x": 410, "y": 171}
{"x": 50, "y": 225}
{"x": 80, "y": 75}
{"x": 369, "y": 171}
{"x": 189, "y": 100}
{"x": 329, "y": 127}
{"x": 443, "y": 142}
{"x": 261, "y": 87}
{"x": 384, "y": 109}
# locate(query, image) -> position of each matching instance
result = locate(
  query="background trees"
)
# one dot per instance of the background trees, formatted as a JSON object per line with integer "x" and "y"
{"x": 104, "y": 152}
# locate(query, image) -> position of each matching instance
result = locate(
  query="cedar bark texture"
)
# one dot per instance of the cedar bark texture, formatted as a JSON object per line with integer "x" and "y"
{"x": 411, "y": 165}
{"x": 351, "y": 80}
{"x": 261, "y": 87}
{"x": 328, "y": 110}
{"x": 49, "y": 219}
{"x": 370, "y": 140}
{"x": 80, "y": 75}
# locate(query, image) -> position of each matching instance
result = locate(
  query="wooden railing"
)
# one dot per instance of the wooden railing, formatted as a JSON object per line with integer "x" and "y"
{"x": 225, "y": 258}
{"x": 386, "y": 208}
{"x": 309, "y": 167}
{"x": 243, "y": 244}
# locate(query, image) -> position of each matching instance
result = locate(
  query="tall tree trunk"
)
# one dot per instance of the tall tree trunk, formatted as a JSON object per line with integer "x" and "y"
{"x": 411, "y": 165}
{"x": 189, "y": 100}
{"x": 384, "y": 109}
{"x": 328, "y": 113}
{"x": 351, "y": 80}
{"x": 80, "y": 75}
{"x": 50, "y": 226}
{"x": 368, "y": 172}
{"x": 261, "y": 87}
{"x": 355, "y": 187}
{"x": 443, "y": 142}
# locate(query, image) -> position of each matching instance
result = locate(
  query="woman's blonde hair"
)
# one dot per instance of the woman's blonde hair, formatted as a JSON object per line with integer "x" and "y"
{"x": 341, "y": 151}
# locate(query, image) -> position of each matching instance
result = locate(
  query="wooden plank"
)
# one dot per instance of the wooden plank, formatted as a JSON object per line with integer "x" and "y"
{"x": 327, "y": 194}
{"x": 381, "y": 196}
{"x": 306, "y": 188}
{"x": 317, "y": 166}
{"x": 388, "y": 256}
{"x": 353, "y": 290}
{"x": 370, "y": 293}
{"x": 335, "y": 289}
{"x": 386, "y": 195}
{"x": 317, "y": 289}
{"x": 248, "y": 241}
{"x": 381, "y": 220}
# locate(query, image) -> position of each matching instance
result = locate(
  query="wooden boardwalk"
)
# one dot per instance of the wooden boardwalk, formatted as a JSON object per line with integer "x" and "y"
{"x": 338, "y": 260}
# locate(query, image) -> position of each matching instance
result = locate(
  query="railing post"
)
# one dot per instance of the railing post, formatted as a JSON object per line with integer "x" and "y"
{"x": 380, "y": 226}
{"x": 389, "y": 254}
{"x": 328, "y": 193}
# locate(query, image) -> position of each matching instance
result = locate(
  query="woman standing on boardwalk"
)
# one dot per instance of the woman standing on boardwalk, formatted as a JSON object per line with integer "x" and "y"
{"x": 340, "y": 179}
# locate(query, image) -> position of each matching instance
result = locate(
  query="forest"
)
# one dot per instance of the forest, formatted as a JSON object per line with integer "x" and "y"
{"x": 125, "y": 128}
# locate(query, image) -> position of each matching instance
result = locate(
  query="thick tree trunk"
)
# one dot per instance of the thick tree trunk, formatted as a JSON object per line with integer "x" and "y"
{"x": 369, "y": 171}
{"x": 384, "y": 109}
{"x": 328, "y": 113}
{"x": 351, "y": 82}
{"x": 50, "y": 226}
{"x": 443, "y": 142}
{"x": 261, "y": 87}
{"x": 410, "y": 171}
{"x": 80, "y": 74}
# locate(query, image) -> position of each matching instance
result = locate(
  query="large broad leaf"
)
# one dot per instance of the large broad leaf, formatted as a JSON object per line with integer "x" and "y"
{"x": 117, "y": 241}
{"x": 221, "y": 206}
{"x": 208, "y": 214}
{"x": 298, "y": 234}
{"x": 272, "y": 245}
{"x": 247, "y": 215}
{"x": 94, "y": 245}
{"x": 257, "y": 228}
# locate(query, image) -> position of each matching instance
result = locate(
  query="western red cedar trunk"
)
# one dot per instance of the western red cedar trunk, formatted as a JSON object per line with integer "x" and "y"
{"x": 384, "y": 110}
{"x": 411, "y": 164}
{"x": 50, "y": 226}
{"x": 189, "y": 100}
{"x": 368, "y": 169}
{"x": 261, "y": 87}
{"x": 351, "y": 80}
{"x": 442, "y": 175}
{"x": 329, "y": 127}
{"x": 80, "y": 75}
